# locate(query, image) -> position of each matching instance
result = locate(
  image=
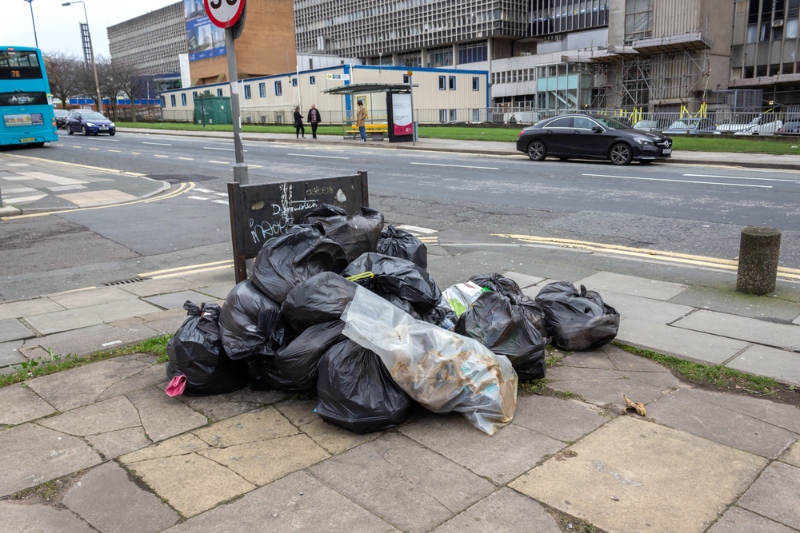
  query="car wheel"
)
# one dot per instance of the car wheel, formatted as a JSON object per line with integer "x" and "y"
{"x": 537, "y": 151}
{"x": 85, "y": 131}
{"x": 70, "y": 132}
{"x": 620, "y": 154}
{"x": 112, "y": 133}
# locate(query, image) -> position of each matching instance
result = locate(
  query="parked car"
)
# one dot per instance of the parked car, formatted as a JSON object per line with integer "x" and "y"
{"x": 790, "y": 127}
{"x": 647, "y": 125}
{"x": 90, "y": 123}
{"x": 686, "y": 126}
{"x": 61, "y": 118}
{"x": 768, "y": 128}
{"x": 591, "y": 137}
{"x": 762, "y": 124}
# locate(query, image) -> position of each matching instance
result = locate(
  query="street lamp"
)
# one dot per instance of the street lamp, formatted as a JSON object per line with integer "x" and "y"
{"x": 91, "y": 51}
{"x": 30, "y": 3}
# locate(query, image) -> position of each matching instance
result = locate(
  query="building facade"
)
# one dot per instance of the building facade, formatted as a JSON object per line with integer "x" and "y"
{"x": 152, "y": 42}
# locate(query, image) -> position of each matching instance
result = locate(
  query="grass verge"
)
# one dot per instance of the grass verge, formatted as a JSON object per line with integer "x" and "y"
{"x": 35, "y": 368}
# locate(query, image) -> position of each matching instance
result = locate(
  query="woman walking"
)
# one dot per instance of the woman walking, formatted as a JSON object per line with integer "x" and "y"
{"x": 298, "y": 123}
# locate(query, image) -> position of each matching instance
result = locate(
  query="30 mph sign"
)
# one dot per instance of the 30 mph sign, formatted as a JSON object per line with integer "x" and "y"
{"x": 224, "y": 13}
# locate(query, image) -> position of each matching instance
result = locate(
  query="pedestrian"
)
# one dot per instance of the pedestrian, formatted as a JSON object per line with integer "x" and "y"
{"x": 361, "y": 121}
{"x": 314, "y": 119}
{"x": 298, "y": 123}
{"x": 512, "y": 120}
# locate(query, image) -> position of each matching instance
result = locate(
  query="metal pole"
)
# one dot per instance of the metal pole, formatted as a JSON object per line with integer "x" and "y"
{"x": 413, "y": 124}
{"x": 30, "y": 3}
{"x": 239, "y": 169}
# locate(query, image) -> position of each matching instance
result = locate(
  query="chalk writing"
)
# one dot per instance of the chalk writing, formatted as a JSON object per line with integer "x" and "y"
{"x": 314, "y": 191}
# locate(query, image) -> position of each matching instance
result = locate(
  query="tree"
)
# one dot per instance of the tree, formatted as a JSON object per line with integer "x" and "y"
{"x": 131, "y": 82}
{"x": 65, "y": 73}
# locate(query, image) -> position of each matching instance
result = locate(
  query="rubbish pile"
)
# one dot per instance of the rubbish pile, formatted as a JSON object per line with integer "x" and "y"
{"x": 340, "y": 305}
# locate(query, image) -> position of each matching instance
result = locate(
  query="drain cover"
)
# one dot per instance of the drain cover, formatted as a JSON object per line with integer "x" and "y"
{"x": 124, "y": 281}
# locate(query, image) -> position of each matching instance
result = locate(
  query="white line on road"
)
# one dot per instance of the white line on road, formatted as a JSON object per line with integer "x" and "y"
{"x": 136, "y": 153}
{"x": 164, "y": 156}
{"x": 220, "y": 162}
{"x": 117, "y": 151}
{"x": 739, "y": 178}
{"x": 680, "y": 181}
{"x": 456, "y": 166}
{"x": 109, "y": 140}
{"x": 157, "y": 144}
{"x": 320, "y": 156}
{"x": 225, "y": 149}
{"x": 198, "y": 198}
{"x": 186, "y": 158}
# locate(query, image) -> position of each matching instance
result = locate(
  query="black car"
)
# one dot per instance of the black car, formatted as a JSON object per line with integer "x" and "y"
{"x": 592, "y": 137}
{"x": 61, "y": 117}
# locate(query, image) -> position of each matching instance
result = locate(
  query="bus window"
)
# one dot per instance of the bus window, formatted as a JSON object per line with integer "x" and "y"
{"x": 19, "y": 65}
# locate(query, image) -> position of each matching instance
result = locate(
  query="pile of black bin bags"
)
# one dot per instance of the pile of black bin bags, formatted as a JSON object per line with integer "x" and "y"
{"x": 282, "y": 330}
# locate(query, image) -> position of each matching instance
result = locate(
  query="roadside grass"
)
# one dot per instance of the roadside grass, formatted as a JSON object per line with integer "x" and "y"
{"x": 719, "y": 143}
{"x": 35, "y": 368}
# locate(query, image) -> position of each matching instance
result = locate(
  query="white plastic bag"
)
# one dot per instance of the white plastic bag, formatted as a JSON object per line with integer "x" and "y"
{"x": 440, "y": 369}
{"x": 461, "y": 296}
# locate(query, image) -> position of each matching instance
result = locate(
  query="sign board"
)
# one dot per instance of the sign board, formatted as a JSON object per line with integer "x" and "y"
{"x": 339, "y": 77}
{"x": 260, "y": 212}
{"x": 203, "y": 38}
{"x": 224, "y": 13}
{"x": 401, "y": 114}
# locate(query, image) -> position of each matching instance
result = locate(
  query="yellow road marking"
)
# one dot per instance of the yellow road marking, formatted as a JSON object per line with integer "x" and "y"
{"x": 182, "y": 189}
{"x": 226, "y": 262}
{"x": 189, "y": 272}
{"x": 645, "y": 253}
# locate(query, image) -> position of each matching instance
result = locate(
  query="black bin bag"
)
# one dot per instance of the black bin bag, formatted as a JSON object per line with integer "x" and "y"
{"x": 249, "y": 322}
{"x": 319, "y": 299}
{"x": 356, "y": 391}
{"x": 514, "y": 329}
{"x": 301, "y": 253}
{"x": 356, "y": 235}
{"x": 577, "y": 320}
{"x": 399, "y": 243}
{"x": 398, "y": 277}
{"x": 196, "y": 353}
{"x": 299, "y": 360}
{"x": 499, "y": 283}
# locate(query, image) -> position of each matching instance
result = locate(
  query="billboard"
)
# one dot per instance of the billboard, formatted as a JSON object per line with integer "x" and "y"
{"x": 204, "y": 39}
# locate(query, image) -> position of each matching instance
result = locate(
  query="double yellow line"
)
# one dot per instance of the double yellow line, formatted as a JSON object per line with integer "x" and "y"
{"x": 187, "y": 270}
{"x": 643, "y": 253}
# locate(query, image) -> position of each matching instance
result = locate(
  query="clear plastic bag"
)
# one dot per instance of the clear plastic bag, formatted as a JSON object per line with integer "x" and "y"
{"x": 441, "y": 370}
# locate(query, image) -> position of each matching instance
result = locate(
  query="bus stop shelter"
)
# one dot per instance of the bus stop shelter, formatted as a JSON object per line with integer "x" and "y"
{"x": 389, "y": 110}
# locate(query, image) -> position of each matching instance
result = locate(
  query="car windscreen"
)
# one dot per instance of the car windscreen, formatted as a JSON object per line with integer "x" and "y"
{"x": 611, "y": 123}
{"x": 93, "y": 116}
{"x": 19, "y": 65}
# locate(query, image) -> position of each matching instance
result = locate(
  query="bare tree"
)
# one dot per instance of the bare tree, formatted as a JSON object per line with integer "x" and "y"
{"x": 131, "y": 82}
{"x": 64, "y": 71}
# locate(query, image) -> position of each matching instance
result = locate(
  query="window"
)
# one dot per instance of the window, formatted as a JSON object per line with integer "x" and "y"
{"x": 583, "y": 123}
{"x": 476, "y": 83}
{"x": 638, "y": 20}
{"x": 183, "y": 98}
{"x": 451, "y": 83}
{"x": 294, "y": 82}
{"x": 453, "y": 115}
{"x": 172, "y": 100}
{"x": 219, "y": 92}
{"x": 247, "y": 94}
{"x": 442, "y": 83}
{"x": 560, "y": 123}
{"x": 163, "y": 101}
{"x": 440, "y": 57}
{"x": 471, "y": 52}
{"x": 405, "y": 79}
{"x": 443, "y": 116}
{"x": 278, "y": 88}
{"x": 312, "y": 80}
{"x": 476, "y": 115}
{"x": 194, "y": 95}
{"x": 311, "y": 66}
{"x": 262, "y": 89}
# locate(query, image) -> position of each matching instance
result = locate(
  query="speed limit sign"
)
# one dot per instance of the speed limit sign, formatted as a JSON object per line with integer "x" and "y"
{"x": 224, "y": 13}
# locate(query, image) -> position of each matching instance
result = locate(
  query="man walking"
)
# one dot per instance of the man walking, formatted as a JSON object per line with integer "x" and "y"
{"x": 361, "y": 121}
{"x": 314, "y": 119}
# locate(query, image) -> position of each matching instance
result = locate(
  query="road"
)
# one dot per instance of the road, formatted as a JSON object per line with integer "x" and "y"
{"x": 680, "y": 208}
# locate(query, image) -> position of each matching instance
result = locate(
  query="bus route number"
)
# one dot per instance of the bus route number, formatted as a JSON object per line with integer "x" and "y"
{"x": 15, "y": 74}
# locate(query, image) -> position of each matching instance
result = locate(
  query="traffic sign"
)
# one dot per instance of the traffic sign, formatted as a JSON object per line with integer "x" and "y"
{"x": 224, "y": 13}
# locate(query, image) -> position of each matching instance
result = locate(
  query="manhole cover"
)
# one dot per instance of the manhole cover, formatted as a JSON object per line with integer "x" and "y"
{"x": 124, "y": 281}
{"x": 180, "y": 178}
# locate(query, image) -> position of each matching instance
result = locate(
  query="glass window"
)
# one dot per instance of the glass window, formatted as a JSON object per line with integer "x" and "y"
{"x": 583, "y": 123}
{"x": 476, "y": 83}
{"x": 453, "y": 115}
{"x": 247, "y": 93}
{"x": 183, "y": 98}
{"x": 262, "y": 89}
{"x": 219, "y": 92}
{"x": 611, "y": 123}
{"x": 194, "y": 94}
{"x": 443, "y": 116}
{"x": 476, "y": 115}
{"x": 565, "y": 122}
{"x": 163, "y": 102}
{"x": 278, "y": 88}
{"x": 442, "y": 83}
{"x": 294, "y": 82}
{"x": 312, "y": 80}
{"x": 451, "y": 83}
{"x": 172, "y": 100}
{"x": 638, "y": 19}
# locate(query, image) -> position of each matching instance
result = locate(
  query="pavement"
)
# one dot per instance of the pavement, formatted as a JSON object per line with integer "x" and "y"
{"x": 105, "y": 449}
{"x": 785, "y": 162}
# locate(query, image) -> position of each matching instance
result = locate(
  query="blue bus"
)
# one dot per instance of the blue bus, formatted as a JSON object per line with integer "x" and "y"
{"x": 26, "y": 114}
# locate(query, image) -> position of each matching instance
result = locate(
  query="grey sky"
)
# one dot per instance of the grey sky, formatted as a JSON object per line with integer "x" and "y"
{"x": 57, "y": 26}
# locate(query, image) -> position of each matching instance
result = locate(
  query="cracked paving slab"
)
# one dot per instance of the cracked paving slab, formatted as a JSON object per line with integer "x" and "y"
{"x": 110, "y": 415}
{"x": 164, "y": 417}
{"x": 18, "y": 405}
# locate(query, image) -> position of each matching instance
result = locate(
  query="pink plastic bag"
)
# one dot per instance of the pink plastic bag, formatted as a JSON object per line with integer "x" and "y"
{"x": 176, "y": 386}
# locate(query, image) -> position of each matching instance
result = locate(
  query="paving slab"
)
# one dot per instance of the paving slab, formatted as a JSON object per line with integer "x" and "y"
{"x": 738, "y": 520}
{"x": 506, "y": 511}
{"x": 110, "y": 415}
{"x": 591, "y": 359}
{"x": 631, "y": 475}
{"x": 19, "y": 404}
{"x": 771, "y": 362}
{"x": 64, "y": 320}
{"x": 81, "y": 386}
{"x": 632, "y": 285}
{"x": 175, "y": 300}
{"x": 211, "y": 277}
{"x": 112, "y": 503}
{"x": 777, "y": 414}
{"x": 12, "y": 329}
{"x": 222, "y": 406}
{"x": 40, "y": 519}
{"x": 523, "y": 280}
{"x": 93, "y": 339}
{"x": 218, "y": 291}
{"x": 151, "y": 375}
{"x": 792, "y": 455}
{"x": 565, "y": 420}
{"x": 37, "y": 306}
{"x": 180, "y": 445}
{"x": 297, "y": 502}
{"x": 685, "y": 411}
{"x": 164, "y": 417}
{"x": 626, "y": 361}
{"x": 568, "y": 373}
{"x": 114, "y": 311}
{"x": 33, "y": 454}
{"x": 265, "y": 461}
{"x": 115, "y": 443}
{"x": 774, "y": 494}
{"x": 153, "y": 287}
{"x": 786, "y": 336}
{"x": 657, "y": 311}
{"x": 333, "y": 439}
{"x": 298, "y": 412}
{"x": 679, "y": 342}
{"x": 609, "y": 391}
{"x": 91, "y": 297}
{"x": 662, "y": 380}
{"x": 10, "y": 353}
{"x": 726, "y": 299}
{"x": 167, "y": 325}
{"x": 249, "y": 427}
{"x": 391, "y": 476}
{"x": 507, "y": 454}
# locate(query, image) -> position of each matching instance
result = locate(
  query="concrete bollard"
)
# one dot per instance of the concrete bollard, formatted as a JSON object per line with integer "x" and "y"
{"x": 758, "y": 260}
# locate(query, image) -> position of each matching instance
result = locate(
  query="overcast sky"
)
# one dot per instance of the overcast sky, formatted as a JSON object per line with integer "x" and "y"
{"x": 57, "y": 26}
